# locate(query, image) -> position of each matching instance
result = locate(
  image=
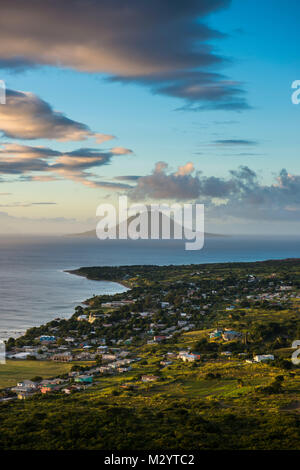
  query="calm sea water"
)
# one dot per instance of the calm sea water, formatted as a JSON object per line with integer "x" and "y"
{"x": 34, "y": 287}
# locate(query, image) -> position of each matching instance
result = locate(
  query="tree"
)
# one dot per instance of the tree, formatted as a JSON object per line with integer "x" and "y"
{"x": 37, "y": 378}
{"x": 240, "y": 383}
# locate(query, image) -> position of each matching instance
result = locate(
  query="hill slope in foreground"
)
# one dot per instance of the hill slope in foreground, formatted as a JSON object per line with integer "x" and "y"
{"x": 163, "y": 219}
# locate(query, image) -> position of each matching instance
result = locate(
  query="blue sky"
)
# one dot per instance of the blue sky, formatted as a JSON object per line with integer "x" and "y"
{"x": 260, "y": 52}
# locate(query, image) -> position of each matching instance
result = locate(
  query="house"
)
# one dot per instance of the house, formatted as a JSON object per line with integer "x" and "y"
{"x": 263, "y": 357}
{"x": 185, "y": 328}
{"x": 182, "y": 353}
{"x": 124, "y": 353}
{"x": 158, "y": 339}
{"x": 84, "y": 379}
{"x": 230, "y": 335}
{"x": 105, "y": 369}
{"x": 149, "y": 378}
{"x": 123, "y": 369}
{"x": 47, "y": 339}
{"x": 64, "y": 357}
{"x": 49, "y": 388}
{"x": 190, "y": 357}
{"x": 72, "y": 388}
{"x": 21, "y": 355}
{"x": 53, "y": 384}
{"x": 109, "y": 357}
{"x": 173, "y": 355}
{"x": 73, "y": 374}
{"x": 70, "y": 340}
{"x": 27, "y": 384}
{"x": 144, "y": 314}
{"x": 170, "y": 329}
{"x": 25, "y": 389}
{"x": 82, "y": 318}
{"x": 85, "y": 356}
{"x": 216, "y": 334}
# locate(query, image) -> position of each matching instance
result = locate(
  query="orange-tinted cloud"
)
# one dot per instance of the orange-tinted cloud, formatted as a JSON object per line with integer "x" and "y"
{"x": 44, "y": 164}
{"x": 26, "y": 116}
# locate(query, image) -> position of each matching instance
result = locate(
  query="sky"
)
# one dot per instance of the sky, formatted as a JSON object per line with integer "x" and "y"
{"x": 162, "y": 101}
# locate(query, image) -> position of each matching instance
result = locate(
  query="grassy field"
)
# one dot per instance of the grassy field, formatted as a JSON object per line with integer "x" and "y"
{"x": 15, "y": 371}
{"x": 227, "y": 410}
{"x": 182, "y": 380}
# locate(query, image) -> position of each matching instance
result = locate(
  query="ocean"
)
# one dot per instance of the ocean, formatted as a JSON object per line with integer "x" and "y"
{"x": 35, "y": 289}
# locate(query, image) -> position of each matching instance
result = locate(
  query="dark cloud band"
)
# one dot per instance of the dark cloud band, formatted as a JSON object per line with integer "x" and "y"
{"x": 164, "y": 45}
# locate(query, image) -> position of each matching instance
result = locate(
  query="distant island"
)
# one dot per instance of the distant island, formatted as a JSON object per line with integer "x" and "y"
{"x": 92, "y": 234}
{"x": 163, "y": 219}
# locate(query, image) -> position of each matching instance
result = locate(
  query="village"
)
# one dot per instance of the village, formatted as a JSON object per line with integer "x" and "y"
{"x": 104, "y": 334}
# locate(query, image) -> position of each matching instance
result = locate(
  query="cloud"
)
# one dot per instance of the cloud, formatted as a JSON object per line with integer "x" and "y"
{"x": 74, "y": 166}
{"x": 127, "y": 178}
{"x": 235, "y": 142}
{"x": 27, "y": 204}
{"x": 166, "y": 46}
{"x": 200, "y": 91}
{"x": 16, "y": 64}
{"x": 26, "y": 116}
{"x": 44, "y": 164}
{"x": 248, "y": 154}
{"x": 241, "y": 194}
{"x": 43, "y": 225}
{"x": 16, "y": 159}
{"x": 180, "y": 185}
{"x": 186, "y": 169}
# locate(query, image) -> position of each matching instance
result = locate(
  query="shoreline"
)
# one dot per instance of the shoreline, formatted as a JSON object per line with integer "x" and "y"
{"x": 120, "y": 282}
{"x": 12, "y": 334}
{"x": 77, "y": 272}
{"x": 126, "y": 284}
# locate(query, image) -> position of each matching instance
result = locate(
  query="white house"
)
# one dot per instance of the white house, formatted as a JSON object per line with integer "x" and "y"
{"x": 27, "y": 383}
{"x": 264, "y": 357}
{"x": 82, "y": 317}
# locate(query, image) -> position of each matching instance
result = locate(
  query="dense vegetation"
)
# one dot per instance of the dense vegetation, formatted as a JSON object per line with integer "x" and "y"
{"x": 220, "y": 405}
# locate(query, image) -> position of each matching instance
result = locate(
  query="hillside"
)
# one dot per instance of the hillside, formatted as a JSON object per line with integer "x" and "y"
{"x": 189, "y": 335}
